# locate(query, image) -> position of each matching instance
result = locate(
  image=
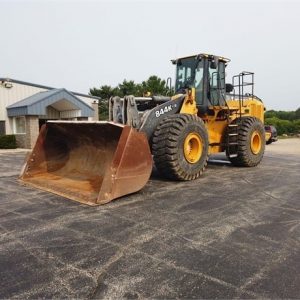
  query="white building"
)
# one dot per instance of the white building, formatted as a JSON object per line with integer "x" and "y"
{"x": 25, "y": 107}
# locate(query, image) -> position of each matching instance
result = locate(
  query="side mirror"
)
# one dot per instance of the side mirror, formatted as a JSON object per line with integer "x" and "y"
{"x": 229, "y": 87}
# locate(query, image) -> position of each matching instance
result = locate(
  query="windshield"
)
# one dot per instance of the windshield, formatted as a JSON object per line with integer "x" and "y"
{"x": 189, "y": 73}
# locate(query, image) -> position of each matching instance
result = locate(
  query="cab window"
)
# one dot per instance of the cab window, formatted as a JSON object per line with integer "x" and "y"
{"x": 216, "y": 80}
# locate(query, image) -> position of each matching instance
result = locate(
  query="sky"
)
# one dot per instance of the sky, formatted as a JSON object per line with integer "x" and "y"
{"x": 83, "y": 44}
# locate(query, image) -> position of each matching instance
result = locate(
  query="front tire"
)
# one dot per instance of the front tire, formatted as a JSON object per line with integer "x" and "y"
{"x": 180, "y": 147}
{"x": 251, "y": 143}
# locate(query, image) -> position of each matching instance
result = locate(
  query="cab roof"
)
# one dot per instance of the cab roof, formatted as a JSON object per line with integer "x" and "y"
{"x": 204, "y": 55}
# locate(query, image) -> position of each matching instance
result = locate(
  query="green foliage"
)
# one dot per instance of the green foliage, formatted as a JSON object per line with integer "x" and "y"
{"x": 154, "y": 85}
{"x": 297, "y": 113}
{"x": 128, "y": 88}
{"x": 286, "y": 122}
{"x": 105, "y": 92}
{"x": 284, "y": 126}
{"x": 103, "y": 110}
{"x": 8, "y": 142}
{"x": 283, "y": 115}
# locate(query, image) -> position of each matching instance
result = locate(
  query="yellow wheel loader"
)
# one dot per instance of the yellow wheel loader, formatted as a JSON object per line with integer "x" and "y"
{"x": 96, "y": 162}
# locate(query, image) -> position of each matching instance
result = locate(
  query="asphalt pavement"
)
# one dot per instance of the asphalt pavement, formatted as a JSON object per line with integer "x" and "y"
{"x": 234, "y": 233}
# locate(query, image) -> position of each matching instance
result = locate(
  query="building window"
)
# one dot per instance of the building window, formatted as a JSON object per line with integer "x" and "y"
{"x": 19, "y": 125}
{"x": 2, "y": 127}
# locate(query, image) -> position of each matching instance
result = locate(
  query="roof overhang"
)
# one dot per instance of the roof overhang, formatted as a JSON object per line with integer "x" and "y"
{"x": 60, "y": 99}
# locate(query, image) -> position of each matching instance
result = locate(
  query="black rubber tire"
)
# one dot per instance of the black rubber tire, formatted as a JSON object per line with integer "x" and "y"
{"x": 246, "y": 158}
{"x": 167, "y": 147}
{"x": 269, "y": 142}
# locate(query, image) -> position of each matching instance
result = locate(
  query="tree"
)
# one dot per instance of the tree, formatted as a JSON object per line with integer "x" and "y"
{"x": 286, "y": 122}
{"x": 284, "y": 126}
{"x": 128, "y": 88}
{"x": 155, "y": 85}
{"x": 297, "y": 114}
{"x": 105, "y": 92}
{"x": 270, "y": 114}
{"x": 283, "y": 115}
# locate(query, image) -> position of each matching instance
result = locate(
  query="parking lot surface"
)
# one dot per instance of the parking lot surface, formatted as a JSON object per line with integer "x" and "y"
{"x": 235, "y": 232}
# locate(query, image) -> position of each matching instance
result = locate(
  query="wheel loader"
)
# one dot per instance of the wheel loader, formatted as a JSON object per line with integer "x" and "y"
{"x": 96, "y": 162}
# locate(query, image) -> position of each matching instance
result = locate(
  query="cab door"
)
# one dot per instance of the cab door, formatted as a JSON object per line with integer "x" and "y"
{"x": 216, "y": 83}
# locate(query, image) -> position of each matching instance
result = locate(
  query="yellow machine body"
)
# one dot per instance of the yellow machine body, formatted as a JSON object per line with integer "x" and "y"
{"x": 216, "y": 124}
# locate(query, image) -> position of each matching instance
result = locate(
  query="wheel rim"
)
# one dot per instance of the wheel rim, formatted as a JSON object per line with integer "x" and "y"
{"x": 192, "y": 148}
{"x": 255, "y": 142}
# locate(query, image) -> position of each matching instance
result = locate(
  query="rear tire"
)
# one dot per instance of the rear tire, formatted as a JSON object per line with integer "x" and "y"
{"x": 180, "y": 147}
{"x": 251, "y": 143}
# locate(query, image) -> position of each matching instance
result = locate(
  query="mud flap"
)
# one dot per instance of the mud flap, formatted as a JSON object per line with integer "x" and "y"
{"x": 89, "y": 162}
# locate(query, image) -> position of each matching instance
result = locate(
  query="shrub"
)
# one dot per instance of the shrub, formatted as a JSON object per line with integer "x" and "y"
{"x": 8, "y": 142}
{"x": 284, "y": 126}
{"x": 283, "y": 115}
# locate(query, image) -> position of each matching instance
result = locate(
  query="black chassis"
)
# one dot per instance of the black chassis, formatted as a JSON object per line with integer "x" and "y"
{"x": 158, "y": 113}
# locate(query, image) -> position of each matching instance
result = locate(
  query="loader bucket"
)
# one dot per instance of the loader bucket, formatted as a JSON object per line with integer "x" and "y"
{"x": 90, "y": 162}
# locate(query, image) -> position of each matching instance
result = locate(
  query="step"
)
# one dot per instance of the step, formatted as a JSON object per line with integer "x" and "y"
{"x": 233, "y": 125}
{"x": 233, "y": 155}
{"x": 233, "y": 144}
{"x": 232, "y": 134}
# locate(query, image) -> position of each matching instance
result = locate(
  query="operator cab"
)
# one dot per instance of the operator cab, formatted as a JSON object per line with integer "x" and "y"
{"x": 205, "y": 73}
